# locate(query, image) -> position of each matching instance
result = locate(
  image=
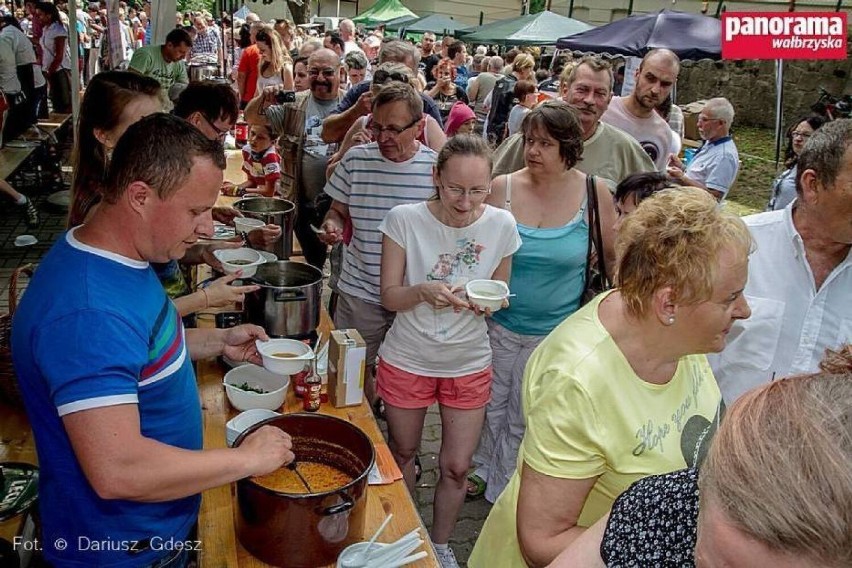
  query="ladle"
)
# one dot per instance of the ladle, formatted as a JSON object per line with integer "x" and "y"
{"x": 292, "y": 466}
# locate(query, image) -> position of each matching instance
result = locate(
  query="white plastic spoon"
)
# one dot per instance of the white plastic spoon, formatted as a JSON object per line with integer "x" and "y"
{"x": 360, "y": 557}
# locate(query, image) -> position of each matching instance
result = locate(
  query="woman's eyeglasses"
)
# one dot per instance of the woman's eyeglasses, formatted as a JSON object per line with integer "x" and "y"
{"x": 472, "y": 193}
{"x": 804, "y": 135}
{"x": 220, "y": 134}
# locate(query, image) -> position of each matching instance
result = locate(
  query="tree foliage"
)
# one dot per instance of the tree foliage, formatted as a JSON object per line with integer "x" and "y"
{"x": 537, "y": 6}
{"x": 184, "y": 6}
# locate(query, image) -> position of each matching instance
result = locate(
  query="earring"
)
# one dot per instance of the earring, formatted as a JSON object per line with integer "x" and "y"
{"x": 671, "y": 320}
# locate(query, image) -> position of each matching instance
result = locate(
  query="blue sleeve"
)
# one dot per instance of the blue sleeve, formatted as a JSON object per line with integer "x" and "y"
{"x": 430, "y": 108}
{"x": 351, "y": 97}
{"x": 98, "y": 365}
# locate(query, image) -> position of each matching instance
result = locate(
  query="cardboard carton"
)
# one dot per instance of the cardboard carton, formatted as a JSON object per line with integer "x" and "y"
{"x": 347, "y": 355}
{"x": 690, "y": 119}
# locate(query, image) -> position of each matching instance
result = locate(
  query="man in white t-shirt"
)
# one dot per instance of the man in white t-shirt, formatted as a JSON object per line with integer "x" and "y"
{"x": 367, "y": 183}
{"x": 714, "y": 167}
{"x": 635, "y": 113}
{"x": 799, "y": 276}
{"x": 347, "y": 34}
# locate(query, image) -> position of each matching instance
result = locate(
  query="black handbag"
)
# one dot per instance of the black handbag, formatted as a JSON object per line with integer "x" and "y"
{"x": 595, "y": 276}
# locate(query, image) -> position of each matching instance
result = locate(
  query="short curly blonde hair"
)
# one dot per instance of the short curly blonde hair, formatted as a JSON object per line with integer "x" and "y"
{"x": 675, "y": 238}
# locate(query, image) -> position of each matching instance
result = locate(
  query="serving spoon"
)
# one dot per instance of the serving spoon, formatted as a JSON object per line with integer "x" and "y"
{"x": 292, "y": 466}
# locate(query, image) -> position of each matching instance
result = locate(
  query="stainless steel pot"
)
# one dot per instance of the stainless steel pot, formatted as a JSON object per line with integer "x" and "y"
{"x": 307, "y": 530}
{"x": 202, "y": 71}
{"x": 272, "y": 211}
{"x": 288, "y": 301}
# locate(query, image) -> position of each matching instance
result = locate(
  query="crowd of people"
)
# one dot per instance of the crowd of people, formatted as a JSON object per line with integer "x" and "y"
{"x": 640, "y": 308}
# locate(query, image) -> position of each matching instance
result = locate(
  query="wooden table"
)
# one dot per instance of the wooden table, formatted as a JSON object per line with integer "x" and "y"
{"x": 216, "y": 529}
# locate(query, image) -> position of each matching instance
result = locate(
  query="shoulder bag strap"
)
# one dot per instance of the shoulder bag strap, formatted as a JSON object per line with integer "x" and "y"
{"x": 592, "y": 207}
{"x": 595, "y": 225}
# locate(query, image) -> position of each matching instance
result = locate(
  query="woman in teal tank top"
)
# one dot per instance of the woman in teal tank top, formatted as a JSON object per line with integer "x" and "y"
{"x": 548, "y": 199}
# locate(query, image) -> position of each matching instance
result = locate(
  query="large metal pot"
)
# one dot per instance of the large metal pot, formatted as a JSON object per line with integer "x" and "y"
{"x": 303, "y": 531}
{"x": 272, "y": 211}
{"x": 198, "y": 71}
{"x": 289, "y": 299}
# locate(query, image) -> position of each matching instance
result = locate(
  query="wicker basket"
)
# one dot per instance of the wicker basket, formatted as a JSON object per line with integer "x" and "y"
{"x": 9, "y": 390}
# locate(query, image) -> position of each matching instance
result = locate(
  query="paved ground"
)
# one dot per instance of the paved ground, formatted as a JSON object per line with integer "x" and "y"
{"x": 13, "y": 223}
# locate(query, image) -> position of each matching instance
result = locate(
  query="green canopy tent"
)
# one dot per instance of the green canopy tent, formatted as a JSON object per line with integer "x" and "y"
{"x": 436, "y": 23}
{"x": 543, "y": 28}
{"x": 384, "y": 11}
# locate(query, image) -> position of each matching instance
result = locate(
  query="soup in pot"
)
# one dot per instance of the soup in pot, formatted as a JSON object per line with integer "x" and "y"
{"x": 321, "y": 477}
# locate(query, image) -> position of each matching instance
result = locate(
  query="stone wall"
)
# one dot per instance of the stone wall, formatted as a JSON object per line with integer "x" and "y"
{"x": 750, "y": 85}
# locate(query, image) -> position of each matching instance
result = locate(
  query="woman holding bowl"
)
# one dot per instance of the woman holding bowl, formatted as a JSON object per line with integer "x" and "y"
{"x": 622, "y": 389}
{"x": 549, "y": 200}
{"x": 437, "y": 348}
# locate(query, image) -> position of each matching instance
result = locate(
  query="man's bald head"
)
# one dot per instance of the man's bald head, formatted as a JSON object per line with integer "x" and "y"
{"x": 324, "y": 74}
{"x": 662, "y": 56}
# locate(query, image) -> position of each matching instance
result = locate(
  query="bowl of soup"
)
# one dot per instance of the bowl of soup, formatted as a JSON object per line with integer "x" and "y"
{"x": 284, "y": 523}
{"x": 250, "y": 387}
{"x": 284, "y": 356}
{"x": 234, "y": 260}
{"x": 487, "y": 294}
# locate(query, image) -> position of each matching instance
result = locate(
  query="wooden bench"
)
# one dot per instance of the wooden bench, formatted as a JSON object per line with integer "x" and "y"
{"x": 12, "y": 158}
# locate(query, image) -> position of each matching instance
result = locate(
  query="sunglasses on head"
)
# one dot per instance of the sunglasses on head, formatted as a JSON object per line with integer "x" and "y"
{"x": 381, "y": 77}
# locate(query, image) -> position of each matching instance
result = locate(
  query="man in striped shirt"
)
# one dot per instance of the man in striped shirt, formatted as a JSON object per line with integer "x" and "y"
{"x": 369, "y": 181}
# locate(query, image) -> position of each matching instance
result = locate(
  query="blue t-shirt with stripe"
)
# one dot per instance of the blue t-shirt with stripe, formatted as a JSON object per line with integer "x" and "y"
{"x": 95, "y": 329}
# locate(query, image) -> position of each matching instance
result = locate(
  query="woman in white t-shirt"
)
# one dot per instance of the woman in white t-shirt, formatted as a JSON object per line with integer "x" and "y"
{"x": 437, "y": 348}
{"x": 275, "y": 67}
{"x": 56, "y": 56}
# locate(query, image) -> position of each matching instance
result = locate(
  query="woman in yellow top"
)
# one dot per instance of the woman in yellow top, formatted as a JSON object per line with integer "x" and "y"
{"x": 622, "y": 389}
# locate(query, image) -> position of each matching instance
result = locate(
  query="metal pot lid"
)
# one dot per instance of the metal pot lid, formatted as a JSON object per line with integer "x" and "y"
{"x": 269, "y": 205}
{"x": 18, "y": 488}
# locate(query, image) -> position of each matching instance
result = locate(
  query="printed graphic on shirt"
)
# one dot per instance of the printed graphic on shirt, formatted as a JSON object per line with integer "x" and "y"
{"x": 695, "y": 431}
{"x": 313, "y": 138}
{"x": 453, "y": 267}
{"x": 166, "y": 351}
{"x": 651, "y": 149}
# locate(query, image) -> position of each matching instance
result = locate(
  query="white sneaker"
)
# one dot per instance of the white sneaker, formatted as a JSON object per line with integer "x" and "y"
{"x": 446, "y": 558}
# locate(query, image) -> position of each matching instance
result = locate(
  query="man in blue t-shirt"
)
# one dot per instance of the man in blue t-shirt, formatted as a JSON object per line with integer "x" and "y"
{"x": 105, "y": 370}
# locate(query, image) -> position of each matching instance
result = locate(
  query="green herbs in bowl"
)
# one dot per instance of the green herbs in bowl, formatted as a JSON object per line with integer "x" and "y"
{"x": 247, "y": 387}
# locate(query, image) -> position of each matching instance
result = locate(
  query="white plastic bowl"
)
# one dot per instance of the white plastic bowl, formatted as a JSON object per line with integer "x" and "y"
{"x": 488, "y": 294}
{"x": 242, "y": 421}
{"x": 247, "y": 224}
{"x": 302, "y": 354}
{"x": 258, "y": 377}
{"x": 246, "y": 255}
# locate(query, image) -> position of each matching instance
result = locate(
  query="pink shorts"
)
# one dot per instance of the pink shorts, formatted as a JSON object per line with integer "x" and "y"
{"x": 409, "y": 390}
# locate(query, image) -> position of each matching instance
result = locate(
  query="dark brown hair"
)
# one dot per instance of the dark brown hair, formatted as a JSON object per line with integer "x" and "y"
{"x": 560, "y": 122}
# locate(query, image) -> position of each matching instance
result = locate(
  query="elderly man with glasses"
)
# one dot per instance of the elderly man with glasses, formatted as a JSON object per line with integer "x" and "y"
{"x": 714, "y": 167}
{"x": 303, "y": 152}
{"x": 367, "y": 183}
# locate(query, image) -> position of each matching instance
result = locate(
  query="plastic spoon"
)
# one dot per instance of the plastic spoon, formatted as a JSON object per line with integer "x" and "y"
{"x": 360, "y": 558}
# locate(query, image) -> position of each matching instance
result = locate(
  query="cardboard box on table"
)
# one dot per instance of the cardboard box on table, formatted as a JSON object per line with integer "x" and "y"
{"x": 347, "y": 355}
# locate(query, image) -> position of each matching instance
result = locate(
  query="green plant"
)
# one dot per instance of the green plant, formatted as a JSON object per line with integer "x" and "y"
{"x": 197, "y": 6}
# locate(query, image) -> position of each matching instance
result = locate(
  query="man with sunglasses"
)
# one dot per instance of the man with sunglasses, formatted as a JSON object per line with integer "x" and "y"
{"x": 304, "y": 154}
{"x": 714, "y": 167}
{"x": 358, "y": 100}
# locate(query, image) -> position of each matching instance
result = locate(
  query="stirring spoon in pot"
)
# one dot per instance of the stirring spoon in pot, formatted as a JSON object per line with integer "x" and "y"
{"x": 292, "y": 466}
